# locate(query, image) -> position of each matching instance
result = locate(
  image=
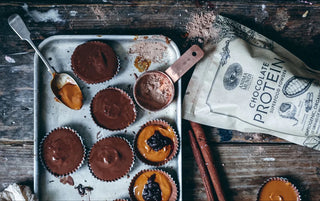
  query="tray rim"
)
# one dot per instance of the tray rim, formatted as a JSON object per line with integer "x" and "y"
{"x": 101, "y": 37}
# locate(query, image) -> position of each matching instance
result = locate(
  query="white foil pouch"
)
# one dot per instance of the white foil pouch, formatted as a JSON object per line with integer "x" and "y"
{"x": 247, "y": 82}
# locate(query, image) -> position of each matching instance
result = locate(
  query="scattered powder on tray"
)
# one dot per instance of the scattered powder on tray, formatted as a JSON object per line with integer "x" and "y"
{"x": 152, "y": 51}
{"x": 200, "y": 27}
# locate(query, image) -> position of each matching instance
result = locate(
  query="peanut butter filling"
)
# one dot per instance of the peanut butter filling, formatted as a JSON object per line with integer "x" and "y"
{"x": 71, "y": 96}
{"x": 278, "y": 190}
{"x": 146, "y": 151}
{"x": 161, "y": 179}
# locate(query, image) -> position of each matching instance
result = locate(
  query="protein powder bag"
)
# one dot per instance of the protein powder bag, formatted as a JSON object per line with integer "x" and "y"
{"x": 249, "y": 83}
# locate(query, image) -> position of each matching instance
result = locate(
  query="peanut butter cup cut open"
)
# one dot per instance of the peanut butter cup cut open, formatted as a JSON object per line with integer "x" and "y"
{"x": 156, "y": 143}
{"x": 62, "y": 151}
{"x": 110, "y": 158}
{"x": 278, "y": 188}
{"x": 94, "y": 62}
{"x": 113, "y": 109}
{"x": 155, "y": 185}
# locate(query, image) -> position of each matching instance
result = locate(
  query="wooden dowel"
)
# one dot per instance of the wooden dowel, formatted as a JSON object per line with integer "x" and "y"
{"x": 208, "y": 159}
{"x": 202, "y": 168}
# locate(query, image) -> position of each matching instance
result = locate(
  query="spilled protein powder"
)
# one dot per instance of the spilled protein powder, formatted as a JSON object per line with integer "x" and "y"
{"x": 152, "y": 51}
{"x": 51, "y": 15}
{"x": 200, "y": 27}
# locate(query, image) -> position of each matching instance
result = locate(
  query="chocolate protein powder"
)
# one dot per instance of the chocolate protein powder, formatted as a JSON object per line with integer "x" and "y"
{"x": 154, "y": 90}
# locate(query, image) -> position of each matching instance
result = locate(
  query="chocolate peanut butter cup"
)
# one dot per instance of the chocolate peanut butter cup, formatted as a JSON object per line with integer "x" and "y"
{"x": 62, "y": 151}
{"x": 94, "y": 62}
{"x": 113, "y": 109}
{"x": 153, "y": 185}
{"x": 110, "y": 158}
{"x": 156, "y": 143}
{"x": 278, "y": 188}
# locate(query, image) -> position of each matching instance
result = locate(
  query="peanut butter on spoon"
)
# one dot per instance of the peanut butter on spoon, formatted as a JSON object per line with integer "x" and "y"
{"x": 67, "y": 91}
{"x": 71, "y": 96}
{"x": 63, "y": 85}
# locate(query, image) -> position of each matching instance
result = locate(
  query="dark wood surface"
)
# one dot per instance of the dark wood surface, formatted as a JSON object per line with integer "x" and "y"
{"x": 244, "y": 160}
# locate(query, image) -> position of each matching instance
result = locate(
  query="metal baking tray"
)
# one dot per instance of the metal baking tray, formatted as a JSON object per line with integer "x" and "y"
{"x": 50, "y": 114}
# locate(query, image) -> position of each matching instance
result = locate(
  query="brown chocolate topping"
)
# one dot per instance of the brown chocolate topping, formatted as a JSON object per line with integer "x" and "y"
{"x": 113, "y": 109}
{"x": 153, "y": 90}
{"x": 94, "y": 62}
{"x": 110, "y": 158}
{"x": 62, "y": 151}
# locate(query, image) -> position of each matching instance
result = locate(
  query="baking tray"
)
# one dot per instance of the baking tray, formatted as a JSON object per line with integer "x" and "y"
{"x": 50, "y": 114}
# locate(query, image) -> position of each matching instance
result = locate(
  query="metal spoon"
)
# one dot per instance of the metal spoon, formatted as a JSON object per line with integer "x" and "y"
{"x": 59, "y": 80}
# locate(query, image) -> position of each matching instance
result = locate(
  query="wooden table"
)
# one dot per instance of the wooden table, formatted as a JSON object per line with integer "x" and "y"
{"x": 243, "y": 160}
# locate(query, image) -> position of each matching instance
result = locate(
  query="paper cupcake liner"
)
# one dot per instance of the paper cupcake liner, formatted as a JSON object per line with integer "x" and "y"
{"x": 98, "y": 82}
{"x": 175, "y": 143}
{"x": 124, "y": 173}
{"x": 174, "y": 190}
{"x": 41, "y": 152}
{"x": 131, "y": 102}
{"x": 280, "y": 179}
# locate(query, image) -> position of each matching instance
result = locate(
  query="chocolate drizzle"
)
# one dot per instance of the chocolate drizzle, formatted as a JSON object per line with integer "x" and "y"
{"x": 157, "y": 141}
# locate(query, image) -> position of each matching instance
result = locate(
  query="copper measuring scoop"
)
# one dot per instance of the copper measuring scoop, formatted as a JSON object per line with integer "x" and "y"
{"x": 64, "y": 87}
{"x": 154, "y": 90}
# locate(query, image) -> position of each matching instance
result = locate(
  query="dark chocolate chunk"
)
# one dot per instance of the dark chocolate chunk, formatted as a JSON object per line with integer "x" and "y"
{"x": 157, "y": 141}
{"x": 152, "y": 191}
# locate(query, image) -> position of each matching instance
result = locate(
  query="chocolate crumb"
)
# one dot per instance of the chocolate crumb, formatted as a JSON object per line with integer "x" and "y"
{"x": 82, "y": 190}
{"x": 135, "y": 75}
{"x": 98, "y": 135}
{"x": 67, "y": 180}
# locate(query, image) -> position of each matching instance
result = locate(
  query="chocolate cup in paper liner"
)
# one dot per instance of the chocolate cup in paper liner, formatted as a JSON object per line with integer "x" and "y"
{"x": 110, "y": 158}
{"x": 113, "y": 109}
{"x": 95, "y": 62}
{"x": 161, "y": 155}
{"x": 62, "y": 151}
{"x": 169, "y": 190}
{"x": 278, "y": 188}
